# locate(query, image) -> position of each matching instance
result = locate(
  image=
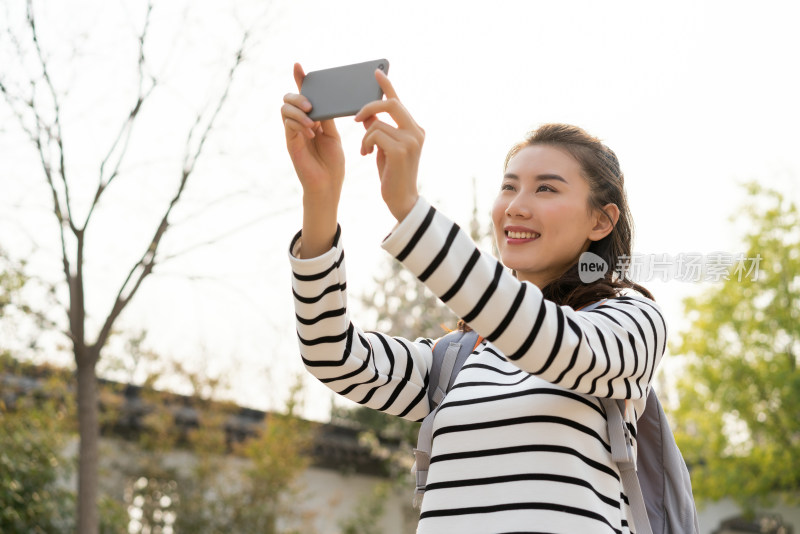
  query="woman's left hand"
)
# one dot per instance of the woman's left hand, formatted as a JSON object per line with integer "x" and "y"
{"x": 399, "y": 148}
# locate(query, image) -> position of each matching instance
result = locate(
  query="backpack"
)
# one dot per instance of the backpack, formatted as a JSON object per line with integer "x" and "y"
{"x": 657, "y": 483}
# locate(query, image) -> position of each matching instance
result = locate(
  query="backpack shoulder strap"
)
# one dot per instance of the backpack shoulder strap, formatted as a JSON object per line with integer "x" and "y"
{"x": 449, "y": 355}
{"x": 622, "y": 455}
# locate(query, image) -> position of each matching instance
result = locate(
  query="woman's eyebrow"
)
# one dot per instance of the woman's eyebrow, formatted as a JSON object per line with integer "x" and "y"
{"x": 539, "y": 177}
{"x": 543, "y": 177}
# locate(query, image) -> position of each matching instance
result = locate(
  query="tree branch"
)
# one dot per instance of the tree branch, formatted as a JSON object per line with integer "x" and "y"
{"x": 224, "y": 235}
{"x": 59, "y": 213}
{"x": 147, "y": 262}
{"x": 190, "y": 160}
{"x": 41, "y": 135}
{"x": 124, "y": 134}
{"x": 59, "y": 139}
{"x": 13, "y": 103}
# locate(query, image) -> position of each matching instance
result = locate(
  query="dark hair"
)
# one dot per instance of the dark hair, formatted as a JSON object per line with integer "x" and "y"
{"x": 600, "y": 167}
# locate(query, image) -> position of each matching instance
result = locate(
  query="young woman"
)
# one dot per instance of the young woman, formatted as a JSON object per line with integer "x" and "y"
{"x": 520, "y": 443}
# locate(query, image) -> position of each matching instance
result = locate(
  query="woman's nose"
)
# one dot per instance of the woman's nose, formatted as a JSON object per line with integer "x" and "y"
{"x": 517, "y": 208}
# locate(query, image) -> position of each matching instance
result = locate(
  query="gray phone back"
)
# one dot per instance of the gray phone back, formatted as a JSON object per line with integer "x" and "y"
{"x": 342, "y": 91}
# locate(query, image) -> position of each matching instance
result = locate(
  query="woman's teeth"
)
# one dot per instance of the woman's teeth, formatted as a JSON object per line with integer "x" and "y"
{"x": 523, "y": 235}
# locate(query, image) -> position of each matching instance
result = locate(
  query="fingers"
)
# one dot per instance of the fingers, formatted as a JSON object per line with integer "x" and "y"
{"x": 391, "y": 105}
{"x": 395, "y": 110}
{"x": 407, "y": 137}
{"x": 391, "y": 140}
{"x": 299, "y": 75}
{"x": 294, "y": 118}
{"x": 295, "y": 108}
{"x": 403, "y": 139}
{"x": 380, "y": 134}
{"x": 385, "y": 84}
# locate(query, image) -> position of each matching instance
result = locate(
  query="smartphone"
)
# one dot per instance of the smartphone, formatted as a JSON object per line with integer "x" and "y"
{"x": 342, "y": 91}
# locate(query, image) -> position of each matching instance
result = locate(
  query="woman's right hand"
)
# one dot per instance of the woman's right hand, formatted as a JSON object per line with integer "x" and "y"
{"x": 315, "y": 147}
{"x": 318, "y": 158}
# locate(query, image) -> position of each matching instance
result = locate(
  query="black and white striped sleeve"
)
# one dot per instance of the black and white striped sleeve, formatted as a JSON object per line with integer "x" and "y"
{"x": 611, "y": 351}
{"x": 382, "y": 372}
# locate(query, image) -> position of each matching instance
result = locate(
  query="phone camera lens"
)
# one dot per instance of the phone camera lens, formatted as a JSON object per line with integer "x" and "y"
{"x": 381, "y": 66}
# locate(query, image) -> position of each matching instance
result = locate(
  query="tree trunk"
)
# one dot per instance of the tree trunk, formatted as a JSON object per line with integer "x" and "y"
{"x": 89, "y": 433}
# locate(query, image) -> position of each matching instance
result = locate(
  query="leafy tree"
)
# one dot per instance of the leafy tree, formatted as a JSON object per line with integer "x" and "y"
{"x": 33, "y": 432}
{"x": 740, "y": 392}
{"x": 33, "y": 498}
{"x": 37, "y": 418}
{"x": 37, "y": 422}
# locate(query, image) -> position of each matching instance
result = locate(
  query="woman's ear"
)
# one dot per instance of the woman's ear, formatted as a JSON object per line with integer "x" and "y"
{"x": 605, "y": 220}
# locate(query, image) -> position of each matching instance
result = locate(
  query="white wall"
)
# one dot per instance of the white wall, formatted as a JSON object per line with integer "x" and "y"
{"x": 325, "y": 498}
{"x": 333, "y": 496}
{"x": 711, "y": 515}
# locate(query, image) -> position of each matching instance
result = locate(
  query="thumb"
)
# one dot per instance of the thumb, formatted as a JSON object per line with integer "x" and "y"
{"x": 299, "y": 75}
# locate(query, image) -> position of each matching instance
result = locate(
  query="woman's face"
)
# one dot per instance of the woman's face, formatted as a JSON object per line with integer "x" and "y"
{"x": 542, "y": 220}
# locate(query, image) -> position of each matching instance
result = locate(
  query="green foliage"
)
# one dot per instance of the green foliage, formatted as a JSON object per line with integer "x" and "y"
{"x": 113, "y": 515}
{"x": 276, "y": 454}
{"x": 367, "y": 419}
{"x": 11, "y": 282}
{"x": 33, "y": 498}
{"x": 740, "y": 394}
{"x": 22, "y": 324}
{"x": 37, "y": 421}
{"x": 34, "y": 426}
{"x": 363, "y": 520}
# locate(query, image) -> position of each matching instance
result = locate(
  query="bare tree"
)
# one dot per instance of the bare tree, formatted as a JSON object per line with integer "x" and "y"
{"x": 37, "y": 105}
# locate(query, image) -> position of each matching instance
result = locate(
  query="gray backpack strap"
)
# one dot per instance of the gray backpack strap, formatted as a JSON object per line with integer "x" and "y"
{"x": 445, "y": 354}
{"x": 622, "y": 455}
{"x": 449, "y": 355}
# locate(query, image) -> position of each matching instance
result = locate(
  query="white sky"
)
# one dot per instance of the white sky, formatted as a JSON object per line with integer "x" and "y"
{"x": 693, "y": 96}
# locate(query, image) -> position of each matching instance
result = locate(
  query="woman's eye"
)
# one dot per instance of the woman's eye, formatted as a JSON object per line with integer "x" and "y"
{"x": 507, "y": 187}
{"x": 545, "y": 188}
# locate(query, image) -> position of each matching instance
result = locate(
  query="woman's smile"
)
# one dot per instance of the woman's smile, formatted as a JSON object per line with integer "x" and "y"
{"x": 516, "y": 235}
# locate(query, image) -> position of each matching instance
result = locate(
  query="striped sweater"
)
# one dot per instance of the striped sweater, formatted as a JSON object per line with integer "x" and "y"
{"x": 520, "y": 444}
